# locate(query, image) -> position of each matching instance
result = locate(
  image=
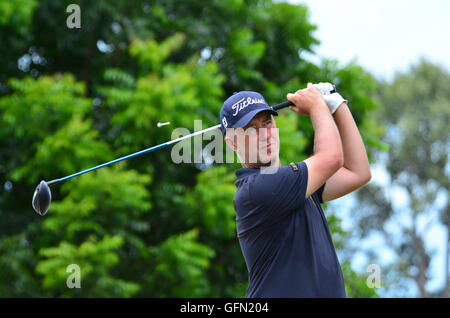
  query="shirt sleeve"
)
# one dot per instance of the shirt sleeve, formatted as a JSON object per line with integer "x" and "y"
{"x": 319, "y": 193}
{"x": 277, "y": 194}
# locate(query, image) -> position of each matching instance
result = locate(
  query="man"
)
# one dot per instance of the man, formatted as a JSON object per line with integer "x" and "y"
{"x": 281, "y": 227}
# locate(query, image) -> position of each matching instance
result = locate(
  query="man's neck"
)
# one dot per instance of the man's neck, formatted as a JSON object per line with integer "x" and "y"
{"x": 277, "y": 163}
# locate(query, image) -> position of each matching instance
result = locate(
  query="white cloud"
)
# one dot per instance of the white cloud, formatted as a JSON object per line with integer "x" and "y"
{"x": 383, "y": 35}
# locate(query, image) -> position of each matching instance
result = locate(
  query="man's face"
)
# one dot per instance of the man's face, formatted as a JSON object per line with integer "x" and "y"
{"x": 258, "y": 142}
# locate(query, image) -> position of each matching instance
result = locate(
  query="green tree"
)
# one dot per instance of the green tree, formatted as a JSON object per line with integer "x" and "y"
{"x": 15, "y": 24}
{"x": 94, "y": 259}
{"x": 415, "y": 108}
{"x": 73, "y": 98}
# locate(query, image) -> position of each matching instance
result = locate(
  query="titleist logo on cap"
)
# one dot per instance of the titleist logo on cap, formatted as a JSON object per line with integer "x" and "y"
{"x": 242, "y": 103}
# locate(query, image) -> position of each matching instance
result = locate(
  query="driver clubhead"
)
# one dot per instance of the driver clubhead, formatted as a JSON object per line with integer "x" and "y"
{"x": 42, "y": 198}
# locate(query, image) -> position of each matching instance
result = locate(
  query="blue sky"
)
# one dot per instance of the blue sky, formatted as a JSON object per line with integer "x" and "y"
{"x": 384, "y": 36}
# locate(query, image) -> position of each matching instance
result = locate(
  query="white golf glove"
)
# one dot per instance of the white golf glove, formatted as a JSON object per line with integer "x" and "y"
{"x": 333, "y": 100}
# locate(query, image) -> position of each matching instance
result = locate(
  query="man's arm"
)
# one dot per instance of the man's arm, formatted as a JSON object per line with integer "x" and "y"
{"x": 328, "y": 157}
{"x": 356, "y": 169}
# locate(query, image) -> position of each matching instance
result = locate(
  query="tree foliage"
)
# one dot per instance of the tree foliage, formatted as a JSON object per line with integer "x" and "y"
{"x": 415, "y": 108}
{"x": 73, "y": 98}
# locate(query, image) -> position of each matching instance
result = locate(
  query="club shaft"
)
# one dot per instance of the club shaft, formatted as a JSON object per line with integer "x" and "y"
{"x": 171, "y": 142}
{"x": 275, "y": 107}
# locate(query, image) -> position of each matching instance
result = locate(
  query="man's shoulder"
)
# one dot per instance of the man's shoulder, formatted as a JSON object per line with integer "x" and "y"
{"x": 267, "y": 183}
{"x": 277, "y": 177}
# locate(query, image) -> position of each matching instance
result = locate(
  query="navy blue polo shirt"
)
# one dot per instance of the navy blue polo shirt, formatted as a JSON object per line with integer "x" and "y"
{"x": 284, "y": 237}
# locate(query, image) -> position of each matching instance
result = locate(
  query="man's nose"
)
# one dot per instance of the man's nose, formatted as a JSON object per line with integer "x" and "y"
{"x": 269, "y": 133}
{"x": 265, "y": 133}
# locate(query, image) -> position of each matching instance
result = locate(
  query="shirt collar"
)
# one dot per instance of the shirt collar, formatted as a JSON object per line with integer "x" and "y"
{"x": 245, "y": 172}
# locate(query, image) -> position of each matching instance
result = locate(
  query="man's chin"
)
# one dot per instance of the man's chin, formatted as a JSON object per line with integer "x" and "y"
{"x": 273, "y": 161}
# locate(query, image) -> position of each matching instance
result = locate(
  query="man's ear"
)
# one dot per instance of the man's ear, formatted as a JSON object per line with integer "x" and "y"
{"x": 230, "y": 142}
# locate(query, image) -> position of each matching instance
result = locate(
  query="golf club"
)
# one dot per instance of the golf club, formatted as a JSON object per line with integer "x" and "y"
{"x": 42, "y": 196}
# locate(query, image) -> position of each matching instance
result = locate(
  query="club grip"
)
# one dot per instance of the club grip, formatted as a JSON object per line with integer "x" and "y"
{"x": 289, "y": 103}
{"x": 282, "y": 105}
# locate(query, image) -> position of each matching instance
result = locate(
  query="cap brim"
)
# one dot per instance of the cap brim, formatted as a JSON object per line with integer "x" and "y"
{"x": 249, "y": 116}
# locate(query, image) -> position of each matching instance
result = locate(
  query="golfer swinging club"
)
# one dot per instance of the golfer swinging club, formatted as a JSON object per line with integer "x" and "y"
{"x": 281, "y": 227}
